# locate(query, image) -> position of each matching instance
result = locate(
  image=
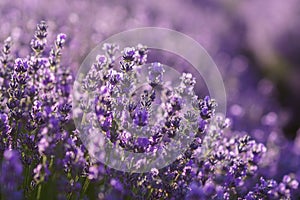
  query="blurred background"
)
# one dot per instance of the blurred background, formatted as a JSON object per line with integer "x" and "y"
{"x": 254, "y": 44}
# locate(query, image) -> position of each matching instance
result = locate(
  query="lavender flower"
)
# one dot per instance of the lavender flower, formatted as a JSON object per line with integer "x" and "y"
{"x": 42, "y": 153}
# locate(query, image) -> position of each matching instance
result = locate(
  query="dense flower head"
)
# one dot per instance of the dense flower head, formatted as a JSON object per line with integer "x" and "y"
{"x": 42, "y": 148}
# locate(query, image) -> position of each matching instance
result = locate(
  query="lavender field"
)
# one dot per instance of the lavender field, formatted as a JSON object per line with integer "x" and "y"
{"x": 171, "y": 99}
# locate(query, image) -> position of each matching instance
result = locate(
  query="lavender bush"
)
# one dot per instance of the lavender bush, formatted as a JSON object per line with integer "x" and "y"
{"x": 242, "y": 37}
{"x": 43, "y": 156}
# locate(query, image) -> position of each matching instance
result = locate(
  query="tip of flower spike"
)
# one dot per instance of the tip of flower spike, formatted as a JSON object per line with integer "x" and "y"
{"x": 101, "y": 59}
{"x": 21, "y": 65}
{"x": 8, "y": 41}
{"x": 110, "y": 49}
{"x": 141, "y": 117}
{"x": 3, "y": 117}
{"x": 128, "y": 54}
{"x": 6, "y": 49}
{"x": 156, "y": 72}
{"x": 41, "y": 30}
{"x": 188, "y": 79}
{"x": 42, "y": 26}
{"x": 60, "y": 40}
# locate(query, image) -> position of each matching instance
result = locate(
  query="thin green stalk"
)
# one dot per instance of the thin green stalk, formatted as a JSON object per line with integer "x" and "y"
{"x": 85, "y": 186}
{"x": 39, "y": 192}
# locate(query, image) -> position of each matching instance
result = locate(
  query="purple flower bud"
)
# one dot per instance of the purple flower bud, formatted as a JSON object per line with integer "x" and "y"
{"x": 128, "y": 54}
{"x": 4, "y": 124}
{"x": 115, "y": 77}
{"x": 141, "y": 55}
{"x": 141, "y": 117}
{"x": 41, "y": 173}
{"x": 154, "y": 172}
{"x": 176, "y": 103}
{"x": 207, "y": 107}
{"x": 21, "y": 65}
{"x": 110, "y": 48}
{"x": 38, "y": 45}
{"x": 290, "y": 182}
{"x": 142, "y": 143}
{"x": 41, "y": 31}
{"x": 202, "y": 125}
{"x": 101, "y": 59}
{"x": 31, "y": 91}
{"x": 60, "y": 40}
{"x": 156, "y": 72}
{"x": 188, "y": 79}
{"x": 43, "y": 145}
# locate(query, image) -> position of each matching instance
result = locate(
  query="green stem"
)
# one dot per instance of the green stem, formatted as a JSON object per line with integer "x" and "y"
{"x": 39, "y": 192}
{"x": 85, "y": 186}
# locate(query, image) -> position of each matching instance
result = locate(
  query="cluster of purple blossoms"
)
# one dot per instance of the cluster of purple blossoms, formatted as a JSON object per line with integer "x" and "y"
{"x": 42, "y": 152}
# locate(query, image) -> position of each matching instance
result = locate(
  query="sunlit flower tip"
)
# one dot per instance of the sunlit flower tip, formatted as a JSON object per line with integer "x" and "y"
{"x": 101, "y": 59}
{"x": 61, "y": 39}
{"x": 110, "y": 49}
{"x": 188, "y": 79}
{"x": 128, "y": 54}
{"x": 21, "y": 65}
{"x": 43, "y": 145}
{"x": 42, "y": 26}
{"x": 154, "y": 171}
{"x": 7, "y": 46}
{"x": 115, "y": 77}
